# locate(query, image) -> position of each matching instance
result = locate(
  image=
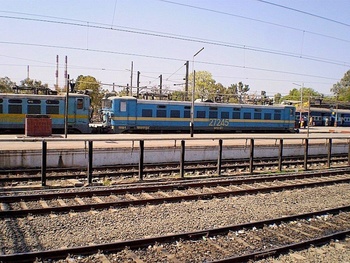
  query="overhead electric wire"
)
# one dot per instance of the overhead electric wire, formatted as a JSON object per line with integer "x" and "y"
{"x": 305, "y": 13}
{"x": 257, "y": 20}
{"x": 190, "y": 39}
{"x": 163, "y": 58}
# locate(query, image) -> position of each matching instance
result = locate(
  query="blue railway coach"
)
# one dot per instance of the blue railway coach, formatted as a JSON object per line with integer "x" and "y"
{"x": 15, "y": 107}
{"x": 326, "y": 116}
{"x": 128, "y": 114}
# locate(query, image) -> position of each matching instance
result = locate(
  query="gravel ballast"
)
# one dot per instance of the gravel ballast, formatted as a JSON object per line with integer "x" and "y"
{"x": 94, "y": 227}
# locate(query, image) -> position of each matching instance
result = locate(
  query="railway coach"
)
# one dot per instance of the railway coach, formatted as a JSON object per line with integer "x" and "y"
{"x": 128, "y": 115}
{"x": 327, "y": 116}
{"x": 15, "y": 107}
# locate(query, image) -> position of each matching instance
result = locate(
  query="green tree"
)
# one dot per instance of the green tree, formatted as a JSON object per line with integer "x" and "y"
{"x": 342, "y": 88}
{"x": 232, "y": 93}
{"x": 178, "y": 95}
{"x": 205, "y": 87}
{"x": 239, "y": 91}
{"x": 277, "y": 98}
{"x": 6, "y": 85}
{"x": 90, "y": 84}
{"x": 33, "y": 83}
{"x": 304, "y": 93}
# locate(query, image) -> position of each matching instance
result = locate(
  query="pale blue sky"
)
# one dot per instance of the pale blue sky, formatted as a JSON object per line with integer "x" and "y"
{"x": 264, "y": 45}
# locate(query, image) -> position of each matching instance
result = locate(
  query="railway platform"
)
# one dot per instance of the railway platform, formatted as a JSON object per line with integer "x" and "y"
{"x": 19, "y": 151}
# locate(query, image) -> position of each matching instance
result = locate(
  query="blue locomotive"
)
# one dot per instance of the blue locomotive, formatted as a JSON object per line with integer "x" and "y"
{"x": 15, "y": 107}
{"x": 128, "y": 114}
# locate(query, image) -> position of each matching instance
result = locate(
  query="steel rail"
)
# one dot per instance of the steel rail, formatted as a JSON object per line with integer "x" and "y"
{"x": 126, "y": 203}
{"x": 180, "y": 184}
{"x": 228, "y": 162}
{"x": 150, "y": 170}
{"x": 195, "y": 235}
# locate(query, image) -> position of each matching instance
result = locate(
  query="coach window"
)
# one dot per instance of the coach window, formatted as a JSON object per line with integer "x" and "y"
{"x": 161, "y": 113}
{"x": 187, "y": 112}
{"x": 267, "y": 116}
{"x": 15, "y": 106}
{"x": 146, "y": 113}
{"x": 174, "y": 114}
{"x": 34, "y": 106}
{"x": 1, "y": 101}
{"x": 80, "y": 104}
{"x": 257, "y": 114}
{"x": 200, "y": 114}
{"x": 225, "y": 115}
{"x": 213, "y": 114}
{"x": 247, "y": 115}
{"x": 52, "y": 107}
{"x": 236, "y": 113}
{"x": 277, "y": 115}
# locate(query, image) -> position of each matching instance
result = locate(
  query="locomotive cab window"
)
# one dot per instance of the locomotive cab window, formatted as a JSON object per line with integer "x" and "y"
{"x": 123, "y": 106}
{"x": 80, "y": 104}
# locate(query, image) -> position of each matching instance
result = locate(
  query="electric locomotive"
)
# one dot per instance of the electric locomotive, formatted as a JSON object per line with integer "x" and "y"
{"x": 128, "y": 115}
{"x": 15, "y": 107}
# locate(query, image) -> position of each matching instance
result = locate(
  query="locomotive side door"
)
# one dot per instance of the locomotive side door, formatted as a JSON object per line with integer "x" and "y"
{"x": 128, "y": 112}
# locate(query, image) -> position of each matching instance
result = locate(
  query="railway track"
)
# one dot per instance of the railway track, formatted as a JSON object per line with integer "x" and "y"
{"x": 230, "y": 166}
{"x": 44, "y": 202}
{"x": 234, "y": 243}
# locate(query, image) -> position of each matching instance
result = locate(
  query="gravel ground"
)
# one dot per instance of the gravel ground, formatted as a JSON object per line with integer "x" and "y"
{"x": 93, "y": 227}
{"x": 334, "y": 252}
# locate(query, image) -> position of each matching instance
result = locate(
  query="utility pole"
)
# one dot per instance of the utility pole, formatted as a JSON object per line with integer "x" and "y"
{"x": 138, "y": 84}
{"x": 132, "y": 68}
{"x": 186, "y": 80}
{"x": 193, "y": 93}
{"x": 160, "y": 86}
{"x": 66, "y": 108}
{"x": 56, "y": 72}
{"x": 65, "y": 74}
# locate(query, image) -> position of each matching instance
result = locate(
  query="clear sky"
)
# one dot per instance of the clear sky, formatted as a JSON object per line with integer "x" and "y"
{"x": 270, "y": 45}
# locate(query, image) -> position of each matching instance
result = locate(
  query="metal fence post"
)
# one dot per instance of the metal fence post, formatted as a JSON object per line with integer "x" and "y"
{"x": 219, "y": 158}
{"x": 280, "y": 155}
{"x": 43, "y": 163}
{"x": 89, "y": 171}
{"x": 306, "y": 153}
{"x": 142, "y": 144}
{"x": 182, "y": 159}
{"x": 251, "y": 159}
{"x": 329, "y": 153}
